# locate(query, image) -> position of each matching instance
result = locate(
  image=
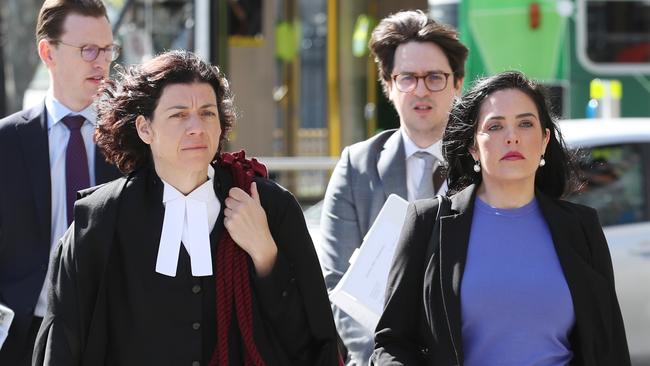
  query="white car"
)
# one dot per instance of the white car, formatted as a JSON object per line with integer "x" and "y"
{"x": 614, "y": 162}
{"x": 613, "y": 159}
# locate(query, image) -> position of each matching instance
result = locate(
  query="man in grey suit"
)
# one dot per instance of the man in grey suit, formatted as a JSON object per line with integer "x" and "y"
{"x": 421, "y": 67}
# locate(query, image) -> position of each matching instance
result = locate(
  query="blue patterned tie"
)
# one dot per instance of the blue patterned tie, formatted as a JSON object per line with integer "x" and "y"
{"x": 76, "y": 163}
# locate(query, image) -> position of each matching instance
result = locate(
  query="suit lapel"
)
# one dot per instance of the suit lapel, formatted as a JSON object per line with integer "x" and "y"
{"x": 391, "y": 166}
{"x": 573, "y": 254}
{"x": 454, "y": 240}
{"x": 566, "y": 231}
{"x": 35, "y": 148}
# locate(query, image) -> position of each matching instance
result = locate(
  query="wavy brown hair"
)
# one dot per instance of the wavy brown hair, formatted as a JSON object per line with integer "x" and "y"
{"x": 137, "y": 92}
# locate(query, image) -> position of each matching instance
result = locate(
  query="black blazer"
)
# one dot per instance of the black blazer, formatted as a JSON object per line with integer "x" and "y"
{"x": 108, "y": 306}
{"x": 421, "y": 323}
{"x": 25, "y": 217}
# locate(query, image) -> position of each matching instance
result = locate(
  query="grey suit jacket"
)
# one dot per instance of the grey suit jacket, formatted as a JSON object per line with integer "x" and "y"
{"x": 367, "y": 173}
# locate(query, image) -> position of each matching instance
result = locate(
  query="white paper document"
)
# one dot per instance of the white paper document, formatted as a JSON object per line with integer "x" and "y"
{"x": 360, "y": 293}
{"x": 6, "y": 317}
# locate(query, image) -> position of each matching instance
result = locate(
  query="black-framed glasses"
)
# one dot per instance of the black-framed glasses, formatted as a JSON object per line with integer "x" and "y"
{"x": 90, "y": 52}
{"x": 434, "y": 81}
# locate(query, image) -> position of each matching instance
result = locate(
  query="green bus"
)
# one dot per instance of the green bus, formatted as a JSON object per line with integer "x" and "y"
{"x": 566, "y": 44}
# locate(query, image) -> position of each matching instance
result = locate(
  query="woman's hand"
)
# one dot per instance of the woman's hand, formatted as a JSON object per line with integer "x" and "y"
{"x": 245, "y": 220}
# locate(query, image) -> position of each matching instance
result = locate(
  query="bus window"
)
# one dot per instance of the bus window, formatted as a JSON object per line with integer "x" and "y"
{"x": 615, "y": 33}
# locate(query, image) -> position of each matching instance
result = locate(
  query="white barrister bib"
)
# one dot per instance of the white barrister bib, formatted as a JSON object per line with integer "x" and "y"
{"x": 188, "y": 220}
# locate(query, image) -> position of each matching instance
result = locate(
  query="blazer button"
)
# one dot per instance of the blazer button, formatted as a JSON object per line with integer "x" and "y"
{"x": 196, "y": 289}
{"x": 196, "y": 326}
{"x": 424, "y": 351}
{"x": 285, "y": 293}
{"x": 196, "y": 363}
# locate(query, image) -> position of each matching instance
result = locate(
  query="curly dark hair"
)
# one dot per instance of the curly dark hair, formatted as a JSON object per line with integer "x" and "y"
{"x": 554, "y": 179}
{"x": 414, "y": 26}
{"x": 138, "y": 91}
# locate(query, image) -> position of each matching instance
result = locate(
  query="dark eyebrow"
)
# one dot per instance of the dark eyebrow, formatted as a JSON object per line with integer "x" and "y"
{"x": 424, "y": 73}
{"x": 184, "y": 107}
{"x": 96, "y": 45}
{"x": 526, "y": 115}
{"x": 176, "y": 107}
{"x": 522, "y": 115}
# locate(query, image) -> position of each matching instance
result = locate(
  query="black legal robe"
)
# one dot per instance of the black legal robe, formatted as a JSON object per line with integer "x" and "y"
{"x": 108, "y": 306}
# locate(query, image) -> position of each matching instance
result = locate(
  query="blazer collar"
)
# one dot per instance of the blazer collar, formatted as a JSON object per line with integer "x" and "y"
{"x": 32, "y": 133}
{"x": 391, "y": 166}
{"x": 37, "y": 111}
{"x": 565, "y": 227}
{"x": 454, "y": 240}
{"x": 575, "y": 257}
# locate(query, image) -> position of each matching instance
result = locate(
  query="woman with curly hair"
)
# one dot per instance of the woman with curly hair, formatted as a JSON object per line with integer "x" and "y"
{"x": 194, "y": 258}
{"x": 503, "y": 272}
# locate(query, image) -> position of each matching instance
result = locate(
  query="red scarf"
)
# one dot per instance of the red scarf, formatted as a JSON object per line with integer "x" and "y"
{"x": 232, "y": 274}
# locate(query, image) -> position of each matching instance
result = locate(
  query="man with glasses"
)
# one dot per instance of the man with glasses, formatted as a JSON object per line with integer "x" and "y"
{"x": 47, "y": 154}
{"x": 421, "y": 68}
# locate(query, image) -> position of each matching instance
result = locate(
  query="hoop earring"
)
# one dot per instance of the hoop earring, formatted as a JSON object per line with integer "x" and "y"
{"x": 477, "y": 166}
{"x": 542, "y": 162}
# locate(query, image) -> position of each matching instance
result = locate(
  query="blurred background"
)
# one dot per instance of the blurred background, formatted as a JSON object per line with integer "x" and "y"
{"x": 306, "y": 87}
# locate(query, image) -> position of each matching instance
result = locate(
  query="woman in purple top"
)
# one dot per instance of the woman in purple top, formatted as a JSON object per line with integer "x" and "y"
{"x": 508, "y": 274}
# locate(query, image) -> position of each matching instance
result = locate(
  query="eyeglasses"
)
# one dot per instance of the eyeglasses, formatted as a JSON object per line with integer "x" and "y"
{"x": 90, "y": 52}
{"x": 434, "y": 81}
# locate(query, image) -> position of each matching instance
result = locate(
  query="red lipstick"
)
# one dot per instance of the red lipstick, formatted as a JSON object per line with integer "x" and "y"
{"x": 512, "y": 155}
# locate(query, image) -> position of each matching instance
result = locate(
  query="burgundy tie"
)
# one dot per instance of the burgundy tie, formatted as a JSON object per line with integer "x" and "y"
{"x": 76, "y": 163}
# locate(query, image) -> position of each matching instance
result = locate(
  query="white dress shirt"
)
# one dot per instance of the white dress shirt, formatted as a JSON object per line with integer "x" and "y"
{"x": 415, "y": 165}
{"x": 58, "y": 135}
{"x": 188, "y": 220}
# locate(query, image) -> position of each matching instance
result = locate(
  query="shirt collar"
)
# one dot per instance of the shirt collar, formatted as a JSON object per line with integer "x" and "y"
{"x": 411, "y": 148}
{"x": 203, "y": 193}
{"x": 57, "y": 111}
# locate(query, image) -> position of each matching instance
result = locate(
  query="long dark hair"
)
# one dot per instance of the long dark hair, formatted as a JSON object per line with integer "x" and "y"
{"x": 553, "y": 179}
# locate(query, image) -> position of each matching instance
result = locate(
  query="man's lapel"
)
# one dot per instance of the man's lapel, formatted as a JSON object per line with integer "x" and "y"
{"x": 391, "y": 166}
{"x": 32, "y": 132}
